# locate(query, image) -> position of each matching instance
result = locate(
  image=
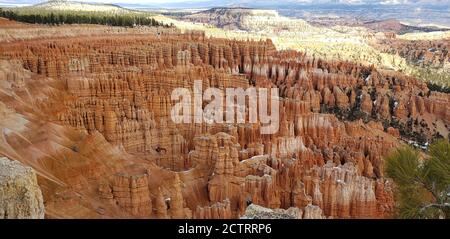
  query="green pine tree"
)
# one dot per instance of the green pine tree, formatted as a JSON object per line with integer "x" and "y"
{"x": 423, "y": 186}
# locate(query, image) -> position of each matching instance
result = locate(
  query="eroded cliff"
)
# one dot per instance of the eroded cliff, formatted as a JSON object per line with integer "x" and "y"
{"x": 93, "y": 119}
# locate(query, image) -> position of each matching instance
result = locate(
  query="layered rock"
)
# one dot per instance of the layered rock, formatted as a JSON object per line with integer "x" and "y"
{"x": 219, "y": 210}
{"x": 254, "y": 211}
{"x": 95, "y": 117}
{"x": 177, "y": 204}
{"x": 131, "y": 193}
{"x": 313, "y": 212}
{"x": 20, "y": 195}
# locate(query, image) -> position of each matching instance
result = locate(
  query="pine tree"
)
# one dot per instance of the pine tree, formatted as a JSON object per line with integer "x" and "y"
{"x": 75, "y": 17}
{"x": 423, "y": 186}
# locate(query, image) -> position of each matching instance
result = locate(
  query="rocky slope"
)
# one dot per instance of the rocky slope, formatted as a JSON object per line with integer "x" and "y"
{"x": 371, "y": 42}
{"x": 93, "y": 119}
{"x": 343, "y": 43}
{"x": 20, "y": 195}
{"x": 232, "y": 18}
{"x": 431, "y": 58}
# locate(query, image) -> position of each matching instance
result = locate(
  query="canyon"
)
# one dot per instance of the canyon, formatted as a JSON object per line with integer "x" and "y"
{"x": 87, "y": 107}
{"x": 381, "y": 43}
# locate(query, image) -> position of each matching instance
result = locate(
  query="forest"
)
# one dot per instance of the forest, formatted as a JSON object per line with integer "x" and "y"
{"x": 77, "y": 17}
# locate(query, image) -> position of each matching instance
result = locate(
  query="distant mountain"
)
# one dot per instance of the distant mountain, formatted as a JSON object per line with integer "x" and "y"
{"x": 256, "y": 20}
{"x": 80, "y": 6}
{"x": 281, "y": 3}
{"x": 396, "y": 26}
{"x": 179, "y": 4}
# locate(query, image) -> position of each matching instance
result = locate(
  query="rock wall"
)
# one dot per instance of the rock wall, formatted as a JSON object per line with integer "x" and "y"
{"x": 257, "y": 212}
{"x": 95, "y": 117}
{"x": 20, "y": 195}
{"x": 131, "y": 193}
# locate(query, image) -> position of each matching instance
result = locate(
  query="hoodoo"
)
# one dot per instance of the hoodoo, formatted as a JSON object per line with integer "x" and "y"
{"x": 93, "y": 117}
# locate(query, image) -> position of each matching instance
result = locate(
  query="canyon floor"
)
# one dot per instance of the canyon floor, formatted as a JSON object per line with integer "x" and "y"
{"x": 87, "y": 107}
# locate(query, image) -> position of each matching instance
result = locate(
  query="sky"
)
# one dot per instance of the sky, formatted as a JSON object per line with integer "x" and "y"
{"x": 276, "y": 4}
{"x": 353, "y": 2}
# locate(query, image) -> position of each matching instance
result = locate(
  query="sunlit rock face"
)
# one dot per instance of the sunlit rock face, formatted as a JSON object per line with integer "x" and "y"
{"x": 92, "y": 118}
{"x": 20, "y": 195}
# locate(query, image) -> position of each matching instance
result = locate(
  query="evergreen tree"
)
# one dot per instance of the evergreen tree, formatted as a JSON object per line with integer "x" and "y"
{"x": 423, "y": 186}
{"x": 76, "y": 17}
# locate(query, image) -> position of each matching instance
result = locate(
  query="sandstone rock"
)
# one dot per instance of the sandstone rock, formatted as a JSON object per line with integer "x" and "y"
{"x": 366, "y": 103}
{"x": 177, "y": 210}
{"x": 20, "y": 195}
{"x": 345, "y": 193}
{"x": 313, "y": 212}
{"x": 254, "y": 211}
{"x": 131, "y": 193}
{"x": 102, "y": 124}
{"x": 160, "y": 206}
{"x": 393, "y": 131}
{"x": 219, "y": 210}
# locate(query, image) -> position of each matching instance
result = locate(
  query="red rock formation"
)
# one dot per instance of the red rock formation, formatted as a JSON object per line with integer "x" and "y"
{"x": 177, "y": 209}
{"x": 131, "y": 193}
{"x": 430, "y": 53}
{"x": 93, "y": 119}
{"x": 313, "y": 212}
{"x": 215, "y": 211}
{"x": 160, "y": 206}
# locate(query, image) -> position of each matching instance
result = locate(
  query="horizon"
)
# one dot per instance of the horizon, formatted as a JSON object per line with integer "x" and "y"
{"x": 243, "y": 3}
{"x": 410, "y": 12}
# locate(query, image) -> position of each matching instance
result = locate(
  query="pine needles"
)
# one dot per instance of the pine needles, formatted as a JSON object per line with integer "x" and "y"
{"x": 422, "y": 185}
